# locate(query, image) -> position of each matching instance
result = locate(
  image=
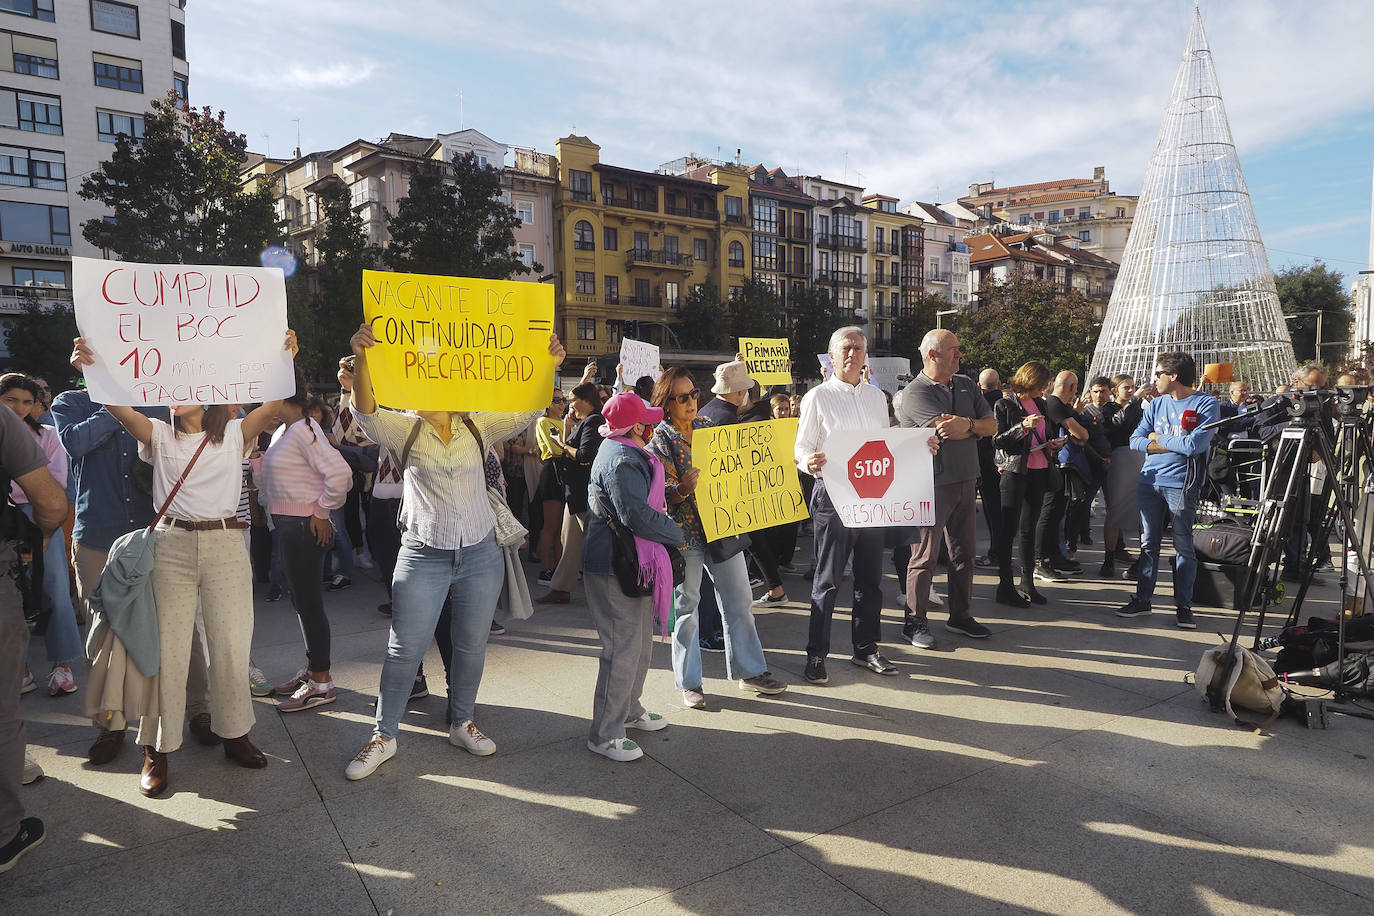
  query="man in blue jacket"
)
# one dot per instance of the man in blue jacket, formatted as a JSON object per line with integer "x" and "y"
{"x": 1173, "y": 434}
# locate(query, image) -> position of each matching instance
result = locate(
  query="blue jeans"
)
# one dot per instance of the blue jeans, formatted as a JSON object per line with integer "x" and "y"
{"x": 472, "y": 577}
{"x": 743, "y": 651}
{"x": 63, "y": 639}
{"x": 1155, "y": 501}
{"x": 342, "y": 546}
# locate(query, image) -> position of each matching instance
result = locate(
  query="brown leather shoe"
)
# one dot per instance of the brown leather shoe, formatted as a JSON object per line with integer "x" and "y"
{"x": 244, "y": 753}
{"x": 153, "y": 782}
{"x": 553, "y": 596}
{"x": 200, "y": 727}
{"x": 106, "y": 747}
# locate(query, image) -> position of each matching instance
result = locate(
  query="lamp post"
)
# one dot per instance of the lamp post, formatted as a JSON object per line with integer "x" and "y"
{"x": 1319, "y": 313}
{"x": 940, "y": 315}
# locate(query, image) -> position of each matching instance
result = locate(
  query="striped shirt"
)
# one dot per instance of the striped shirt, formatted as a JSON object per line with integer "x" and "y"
{"x": 445, "y": 501}
{"x": 302, "y": 474}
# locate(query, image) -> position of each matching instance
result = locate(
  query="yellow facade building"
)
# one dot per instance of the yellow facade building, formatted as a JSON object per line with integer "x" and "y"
{"x": 630, "y": 245}
{"x": 897, "y": 243}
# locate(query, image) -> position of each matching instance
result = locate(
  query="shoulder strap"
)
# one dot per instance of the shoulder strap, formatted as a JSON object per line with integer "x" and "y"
{"x": 481, "y": 446}
{"x": 410, "y": 444}
{"x": 181, "y": 480}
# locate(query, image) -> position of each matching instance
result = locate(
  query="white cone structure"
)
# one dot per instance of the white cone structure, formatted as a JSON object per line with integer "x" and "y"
{"x": 1195, "y": 276}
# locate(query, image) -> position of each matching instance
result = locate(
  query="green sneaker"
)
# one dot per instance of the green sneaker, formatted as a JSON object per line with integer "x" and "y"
{"x": 257, "y": 682}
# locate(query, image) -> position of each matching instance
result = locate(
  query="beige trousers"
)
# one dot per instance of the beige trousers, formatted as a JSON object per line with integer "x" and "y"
{"x": 570, "y": 564}
{"x": 212, "y": 568}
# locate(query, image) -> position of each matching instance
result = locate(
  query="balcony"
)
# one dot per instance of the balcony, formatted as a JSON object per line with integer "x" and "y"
{"x": 848, "y": 243}
{"x": 613, "y": 298}
{"x": 582, "y": 194}
{"x": 657, "y": 257}
{"x": 610, "y": 200}
{"x": 734, "y": 219}
{"x": 654, "y": 301}
{"x": 799, "y": 235}
{"x": 14, "y": 299}
{"x": 649, "y": 205}
{"x": 693, "y": 212}
{"x": 840, "y": 277}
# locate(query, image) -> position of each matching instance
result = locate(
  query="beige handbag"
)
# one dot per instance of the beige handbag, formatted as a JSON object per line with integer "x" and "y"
{"x": 1250, "y": 683}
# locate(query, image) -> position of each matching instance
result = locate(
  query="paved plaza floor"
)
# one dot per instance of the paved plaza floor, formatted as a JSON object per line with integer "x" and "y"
{"x": 1062, "y": 766}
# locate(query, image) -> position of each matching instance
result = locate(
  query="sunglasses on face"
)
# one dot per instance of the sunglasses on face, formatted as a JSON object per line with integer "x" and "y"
{"x": 685, "y": 399}
{"x": 560, "y": 401}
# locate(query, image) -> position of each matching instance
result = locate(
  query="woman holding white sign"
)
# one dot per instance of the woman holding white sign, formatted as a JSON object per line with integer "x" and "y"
{"x": 201, "y": 560}
{"x": 676, "y": 393}
{"x": 448, "y": 549}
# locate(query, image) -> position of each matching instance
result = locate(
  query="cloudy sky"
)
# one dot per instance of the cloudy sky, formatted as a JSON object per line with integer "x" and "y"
{"x": 913, "y": 98}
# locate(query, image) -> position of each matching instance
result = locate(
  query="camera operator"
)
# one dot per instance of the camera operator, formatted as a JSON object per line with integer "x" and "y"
{"x": 1309, "y": 516}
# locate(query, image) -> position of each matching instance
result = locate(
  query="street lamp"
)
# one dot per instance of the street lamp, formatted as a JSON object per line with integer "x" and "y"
{"x": 1319, "y": 313}
{"x": 939, "y": 317}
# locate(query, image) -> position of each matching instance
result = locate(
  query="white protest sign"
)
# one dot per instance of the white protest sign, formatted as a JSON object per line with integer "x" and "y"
{"x": 827, "y": 368}
{"x": 182, "y": 334}
{"x": 638, "y": 359}
{"x": 885, "y": 369}
{"x": 881, "y": 478}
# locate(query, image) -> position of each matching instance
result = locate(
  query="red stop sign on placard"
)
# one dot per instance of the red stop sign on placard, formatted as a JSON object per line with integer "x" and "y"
{"x": 872, "y": 470}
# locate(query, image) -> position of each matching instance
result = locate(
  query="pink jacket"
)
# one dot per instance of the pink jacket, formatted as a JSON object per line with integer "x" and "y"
{"x": 301, "y": 474}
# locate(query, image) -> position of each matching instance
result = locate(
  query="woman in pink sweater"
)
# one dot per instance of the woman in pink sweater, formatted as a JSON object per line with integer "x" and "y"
{"x": 302, "y": 478}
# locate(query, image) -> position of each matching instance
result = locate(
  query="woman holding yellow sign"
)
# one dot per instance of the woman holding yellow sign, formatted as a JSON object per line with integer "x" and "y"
{"x": 676, "y": 393}
{"x": 448, "y": 548}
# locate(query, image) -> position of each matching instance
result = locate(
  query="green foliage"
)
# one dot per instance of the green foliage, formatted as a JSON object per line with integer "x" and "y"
{"x": 757, "y": 312}
{"x": 814, "y": 318}
{"x": 916, "y": 319}
{"x": 41, "y": 341}
{"x": 1315, "y": 289}
{"x": 1022, "y": 319}
{"x": 453, "y": 223}
{"x": 176, "y": 196}
{"x": 702, "y": 320}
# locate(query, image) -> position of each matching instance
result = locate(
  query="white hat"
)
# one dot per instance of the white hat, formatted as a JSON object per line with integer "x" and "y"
{"x": 732, "y": 377}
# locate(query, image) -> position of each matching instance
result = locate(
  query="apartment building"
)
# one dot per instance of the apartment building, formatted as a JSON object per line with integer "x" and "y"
{"x": 946, "y": 258}
{"x": 997, "y": 256}
{"x": 782, "y": 218}
{"x": 1085, "y": 209}
{"x": 840, "y": 244}
{"x": 74, "y": 75}
{"x": 897, "y": 243}
{"x": 630, "y": 244}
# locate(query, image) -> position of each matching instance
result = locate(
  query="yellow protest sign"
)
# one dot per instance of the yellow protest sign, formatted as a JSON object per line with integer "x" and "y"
{"x": 748, "y": 477}
{"x": 453, "y": 343}
{"x": 769, "y": 359}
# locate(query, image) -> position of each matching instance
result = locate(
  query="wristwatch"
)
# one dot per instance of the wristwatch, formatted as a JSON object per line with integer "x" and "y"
{"x": 970, "y": 426}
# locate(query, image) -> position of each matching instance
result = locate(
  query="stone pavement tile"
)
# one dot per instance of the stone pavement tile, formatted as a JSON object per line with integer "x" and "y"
{"x": 206, "y": 792}
{"x": 781, "y": 883}
{"x": 1019, "y": 839}
{"x": 817, "y": 756}
{"x": 557, "y": 825}
{"x": 285, "y": 862}
{"x": 1302, "y": 796}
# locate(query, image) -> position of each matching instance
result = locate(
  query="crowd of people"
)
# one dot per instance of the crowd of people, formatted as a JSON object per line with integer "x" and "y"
{"x": 597, "y": 491}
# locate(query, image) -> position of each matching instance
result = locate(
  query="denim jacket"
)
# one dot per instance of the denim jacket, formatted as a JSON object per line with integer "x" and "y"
{"x": 620, "y": 478}
{"x": 102, "y": 453}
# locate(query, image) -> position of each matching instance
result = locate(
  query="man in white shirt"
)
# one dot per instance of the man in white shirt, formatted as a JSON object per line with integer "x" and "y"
{"x": 843, "y": 401}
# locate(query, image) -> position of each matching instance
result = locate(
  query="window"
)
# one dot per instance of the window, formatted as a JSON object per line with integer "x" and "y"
{"x": 878, "y": 237}
{"x": 178, "y": 40}
{"x": 31, "y": 54}
{"x": 111, "y": 124}
{"x": 934, "y": 272}
{"x": 612, "y": 285}
{"x": 1085, "y": 235}
{"x": 35, "y": 168}
{"x": 180, "y": 84}
{"x": 608, "y": 192}
{"x": 1084, "y": 213}
{"x": 670, "y": 249}
{"x": 765, "y": 216}
{"x": 118, "y": 73}
{"x": 34, "y": 223}
{"x": 734, "y": 209}
{"x": 582, "y": 236}
{"x": 610, "y": 238}
{"x": 34, "y": 9}
{"x": 1054, "y": 216}
{"x": 798, "y": 224}
{"x": 646, "y": 199}
{"x": 33, "y": 276}
{"x": 120, "y": 19}
{"x": 641, "y": 296}
{"x": 586, "y": 282}
{"x": 586, "y": 329}
{"x": 1025, "y": 219}
{"x": 798, "y": 260}
{"x": 525, "y": 210}
{"x": 1120, "y": 212}
{"x": 31, "y": 111}
{"x": 641, "y": 242}
{"x": 672, "y": 293}
{"x": 736, "y": 254}
{"x": 765, "y": 252}
{"x": 526, "y": 253}
{"x": 581, "y": 184}
{"x": 699, "y": 249}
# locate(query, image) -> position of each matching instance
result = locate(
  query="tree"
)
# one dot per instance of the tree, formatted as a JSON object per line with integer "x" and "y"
{"x": 328, "y": 298}
{"x": 176, "y": 196}
{"x": 1023, "y": 319}
{"x": 814, "y": 318}
{"x": 702, "y": 320}
{"x": 917, "y": 318}
{"x": 454, "y": 223}
{"x": 756, "y": 312}
{"x": 40, "y": 341}
{"x": 1309, "y": 290}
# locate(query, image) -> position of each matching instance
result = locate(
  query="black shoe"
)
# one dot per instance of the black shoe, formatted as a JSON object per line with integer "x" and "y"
{"x": 1007, "y": 594}
{"x": 1108, "y": 568}
{"x": 30, "y": 834}
{"x": 712, "y": 645}
{"x": 420, "y": 688}
{"x": 968, "y": 627}
{"x": 1047, "y": 573}
{"x": 1030, "y": 593}
{"x": 274, "y": 593}
{"x": 1136, "y": 607}
{"x": 1132, "y": 573}
{"x": 1085, "y": 539}
{"x": 338, "y": 583}
{"x": 497, "y": 629}
{"x": 1066, "y": 566}
{"x": 815, "y": 670}
{"x": 545, "y": 575}
{"x": 384, "y": 609}
{"x": 1183, "y": 619}
{"x": 985, "y": 562}
{"x": 874, "y": 662}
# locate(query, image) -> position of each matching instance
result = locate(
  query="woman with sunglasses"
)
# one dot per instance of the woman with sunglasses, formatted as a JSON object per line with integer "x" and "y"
{"x": 578, "y": 446}
{"x": 677, "y": 395}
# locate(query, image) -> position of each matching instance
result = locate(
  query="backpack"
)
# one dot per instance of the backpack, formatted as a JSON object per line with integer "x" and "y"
{"x": 1231, "y": 675}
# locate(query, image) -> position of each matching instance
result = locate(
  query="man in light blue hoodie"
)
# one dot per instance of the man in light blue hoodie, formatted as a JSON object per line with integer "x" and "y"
{"x": 1173, "y": 434}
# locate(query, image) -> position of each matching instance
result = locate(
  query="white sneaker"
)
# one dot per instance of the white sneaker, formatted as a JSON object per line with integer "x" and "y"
{"x": 621, "y": 750}
{"x": 470, "y": 738}
{"x": 362, "y": 560}
{"x": 648, "y": 722}
{"x": 375, "y": 753}
{"x": 32, "y": 771}
{"x": 934, "y": 600}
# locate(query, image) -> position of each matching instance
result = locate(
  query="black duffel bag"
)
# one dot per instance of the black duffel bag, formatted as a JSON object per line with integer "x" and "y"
{"x": 1223, "y": 542}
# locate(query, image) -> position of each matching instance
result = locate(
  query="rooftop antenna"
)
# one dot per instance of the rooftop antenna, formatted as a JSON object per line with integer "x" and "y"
{"x": 298, "y": 136}
{"x": 268, "y": 137}
{"x": 461, "y": 118}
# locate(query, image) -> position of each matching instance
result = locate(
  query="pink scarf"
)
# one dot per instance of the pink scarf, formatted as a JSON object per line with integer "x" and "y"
{"x": 654, "y": 566}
